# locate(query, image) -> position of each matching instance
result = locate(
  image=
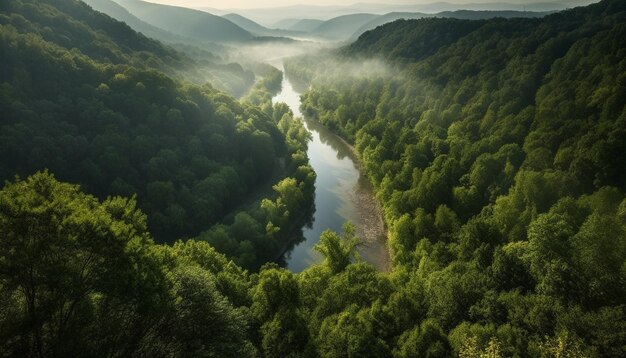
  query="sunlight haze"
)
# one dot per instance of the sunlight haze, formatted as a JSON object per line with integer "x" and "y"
{"x": 247, "y": 4}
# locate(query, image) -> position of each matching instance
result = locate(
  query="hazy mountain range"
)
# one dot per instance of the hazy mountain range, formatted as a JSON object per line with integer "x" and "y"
{"x": 120, "y": 13}
{"x": 350, "y": 27}
{"x": 191, "y": 23}
{"x": 260, "y": 30}
{"x": 306, "y": 25}
{"x": 177, "y": 24}
{"x": 271, "y": 16}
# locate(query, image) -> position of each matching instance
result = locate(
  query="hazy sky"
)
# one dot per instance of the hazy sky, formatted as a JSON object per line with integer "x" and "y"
{"x": 231, "y": 4}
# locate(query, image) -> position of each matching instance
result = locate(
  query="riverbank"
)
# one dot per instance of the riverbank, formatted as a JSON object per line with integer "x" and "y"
{"x": 342, "y": 194}
{"x": 371, "y": 227}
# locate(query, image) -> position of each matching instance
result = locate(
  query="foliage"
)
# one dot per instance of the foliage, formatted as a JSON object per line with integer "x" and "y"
{"x": 498, "y": 160}
{"x": 86, "y": 102}
{"x": 265, "y": 228}
{"x": 79, "y": 277}
{"x": 494, "y": 152}
{"x": 338, "y": 251}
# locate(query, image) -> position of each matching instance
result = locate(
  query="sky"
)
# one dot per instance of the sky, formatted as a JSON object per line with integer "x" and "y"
{"x": 246, "y": 4}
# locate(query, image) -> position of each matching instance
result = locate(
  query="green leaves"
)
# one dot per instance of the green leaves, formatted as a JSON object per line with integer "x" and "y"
{"x": 205, "y": 324}
{"x": 338, "y": 251}
{"x": 276, "y": 310}
{"x": 111, "y": 110}
{"x": 494, "y": 153}
{"x": 350, "y": 334}
{"x": 80, "y": 277}
{"x": 67, "y": 257}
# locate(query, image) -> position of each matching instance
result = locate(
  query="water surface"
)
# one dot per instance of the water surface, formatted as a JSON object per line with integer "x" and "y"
{"x": 341, "y": 194}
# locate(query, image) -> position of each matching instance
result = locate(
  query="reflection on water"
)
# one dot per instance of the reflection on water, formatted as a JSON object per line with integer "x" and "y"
{"x": 341, "y": 194}
{"x": 329, "y": 138}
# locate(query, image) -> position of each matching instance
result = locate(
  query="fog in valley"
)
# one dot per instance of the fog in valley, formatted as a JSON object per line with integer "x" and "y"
{"x": 410, "y": 178}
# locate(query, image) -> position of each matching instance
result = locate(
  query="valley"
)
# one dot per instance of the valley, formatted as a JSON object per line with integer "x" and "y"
{"x": 203, "y": 178}
{"x": 342, "y": 194}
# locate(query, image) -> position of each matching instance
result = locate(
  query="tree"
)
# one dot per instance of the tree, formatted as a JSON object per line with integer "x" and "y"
{"x": 349, "y": 334}
{"x": 276, "y": 309}
{"x": 81, "y": 277}
{"x": 425, "y": 340}
{"x": 470, "y": 349}
{"x": 203, "y": 323}
{"x": 70, "y": 265}
{"x": 549, "y": 253}
{"x": 338, "y": 251}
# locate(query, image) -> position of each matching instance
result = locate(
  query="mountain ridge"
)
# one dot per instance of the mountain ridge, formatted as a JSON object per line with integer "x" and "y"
{"x": 196, "y": 24}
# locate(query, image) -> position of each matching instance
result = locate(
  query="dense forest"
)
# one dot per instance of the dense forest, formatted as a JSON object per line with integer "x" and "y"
{"x": 496, "y": 149}
{"x": 100, "y": 105}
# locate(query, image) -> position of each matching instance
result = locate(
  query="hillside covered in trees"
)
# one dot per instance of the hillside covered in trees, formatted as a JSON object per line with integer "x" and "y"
{"x": 496, "y": 148}
{"x": 100, "y": 105}
{"x": 186, "y": 22}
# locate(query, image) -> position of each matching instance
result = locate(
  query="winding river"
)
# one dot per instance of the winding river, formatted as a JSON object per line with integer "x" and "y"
{"x": 341, "y": 194}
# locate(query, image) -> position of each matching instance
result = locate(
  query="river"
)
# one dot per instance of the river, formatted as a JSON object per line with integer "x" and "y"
{"x": 341, "y": 194}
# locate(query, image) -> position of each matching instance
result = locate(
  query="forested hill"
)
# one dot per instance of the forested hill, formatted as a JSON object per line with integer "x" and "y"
{"x": 85, "y": 96}
{"x": 116, "y": 11}
{"x": 497, "y": 150}
{"x": 195, "y": 24}
{"x": 100, "y": 37}
{"x": 408, "y": 39}
{"x": 458, "y": 14}
{"x": 411, "y": 39}
{"x": 338, "y": 27}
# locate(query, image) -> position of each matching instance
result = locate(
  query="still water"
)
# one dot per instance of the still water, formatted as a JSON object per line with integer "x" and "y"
{"x": 341, "y": 194}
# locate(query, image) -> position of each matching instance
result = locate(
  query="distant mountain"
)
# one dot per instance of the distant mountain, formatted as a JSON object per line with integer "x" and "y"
{"x": 350, "y": 27}
{"x": 306, "y": 25}
{"x": 118, "y": 12}
{"x": 208, "y": 66}
{"x": 411, "y": 39}
{"x": 459, "y": 14}
{"x": 247, "y": 24}
{"x": 191, "y": 23}
{"x": 342, "y": 27}
{"x": 266, "y": 34}
{"x": 436, "y": 7}
{"x": 286, "y": 23}
{"x": 490, "y": 14}
{"x": 269, "y": 17}
{"x": 383, "y": 19}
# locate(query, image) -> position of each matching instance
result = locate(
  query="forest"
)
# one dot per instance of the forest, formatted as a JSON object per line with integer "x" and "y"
{"x": 142, "y": 212}
{"x": 92, "y": 103}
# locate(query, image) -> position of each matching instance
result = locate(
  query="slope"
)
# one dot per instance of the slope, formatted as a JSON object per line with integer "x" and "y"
{"x": 459, "y": 14}
{"x": 259, "y": 30}
{"x": 186, "y": 22}
{"x": 117, "y": 12}
{"x": 390, "y": 17}
{"x": 490, "y": 14}
{"x": 411, "y": 39}
{"x": 247, "y": 24}
{"x": 305, "y": 25}
{"x": 89, "y": 101}
{"x": 342, "y": 27}
{"x": 284, "y": 23}
{"x": 497, "y": 152}
{"x": 202, "y": 66}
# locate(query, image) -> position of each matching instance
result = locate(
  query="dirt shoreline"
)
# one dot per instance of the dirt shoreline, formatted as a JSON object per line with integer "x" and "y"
{"x": 372, "y": 226}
